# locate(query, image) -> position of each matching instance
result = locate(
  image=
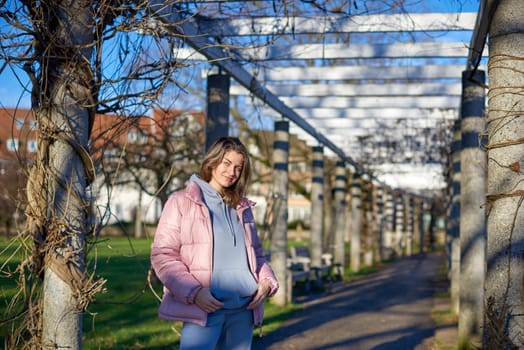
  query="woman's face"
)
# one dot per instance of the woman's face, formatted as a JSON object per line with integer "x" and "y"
{"x": 227, "y": 172}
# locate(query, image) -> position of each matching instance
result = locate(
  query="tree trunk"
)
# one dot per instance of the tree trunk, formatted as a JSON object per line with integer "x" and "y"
{"x": 64, "y": 125}
{"x": 139, "y": 232}
{"x": 504, "y": 287}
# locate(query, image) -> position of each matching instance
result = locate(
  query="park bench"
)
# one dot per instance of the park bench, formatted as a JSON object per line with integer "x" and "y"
{"x": 298, "y": 271}
{"x": 301, "y": 255}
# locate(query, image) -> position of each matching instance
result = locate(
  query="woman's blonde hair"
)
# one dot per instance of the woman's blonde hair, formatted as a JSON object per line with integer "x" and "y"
{"x": 212, "y": 159}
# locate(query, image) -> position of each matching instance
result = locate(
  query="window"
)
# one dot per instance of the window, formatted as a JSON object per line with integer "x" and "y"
{"x": 112, "y": 154}
{"x": 297, "y": 166}
{"x": 32, "y": 146}
{"x": 19, "y": 124}
{"x": 12, "y": 145}
{"x": 132, "y": 136}
{"x": 143, "y": 139}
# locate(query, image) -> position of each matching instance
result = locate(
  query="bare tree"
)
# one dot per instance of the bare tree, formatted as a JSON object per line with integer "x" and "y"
{"x": 154, "y": 155}
{"x": 82, "y": 58}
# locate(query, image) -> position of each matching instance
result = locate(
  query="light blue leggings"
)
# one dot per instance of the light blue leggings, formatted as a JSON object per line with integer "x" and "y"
{"x": 225, "y": 330}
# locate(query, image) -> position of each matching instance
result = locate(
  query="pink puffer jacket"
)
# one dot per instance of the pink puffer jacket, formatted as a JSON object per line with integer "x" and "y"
{"x": 182, "y": 255}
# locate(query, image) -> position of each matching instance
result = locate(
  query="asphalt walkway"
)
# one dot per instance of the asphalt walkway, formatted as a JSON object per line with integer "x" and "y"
{"x": 388, "y": 310}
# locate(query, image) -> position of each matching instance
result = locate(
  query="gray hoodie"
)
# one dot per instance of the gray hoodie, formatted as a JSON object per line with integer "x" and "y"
{"x": 231, "y": 282}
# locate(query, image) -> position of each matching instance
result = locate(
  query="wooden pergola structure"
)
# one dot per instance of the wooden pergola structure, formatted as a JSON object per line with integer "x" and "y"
{"x": 379, "y": 91}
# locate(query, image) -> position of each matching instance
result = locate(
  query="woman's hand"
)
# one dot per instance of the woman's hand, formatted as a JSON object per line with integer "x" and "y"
{"x": 206, "y": 301}
{"x": 259, "y": 297}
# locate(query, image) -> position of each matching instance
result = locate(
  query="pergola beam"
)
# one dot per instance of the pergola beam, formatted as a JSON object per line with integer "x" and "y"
{"x": 364, "y": 72}
{"x": 187, "y": 30}
{"x": 480, "y": 32}
{"x": 374, "y": 123}
{"x": 425, "y": 102}
{"x": 339, "y": 89}
{"x": 255, "y": 26}
{"x": 346, "y": 51}
{"x": 373, "y": 113}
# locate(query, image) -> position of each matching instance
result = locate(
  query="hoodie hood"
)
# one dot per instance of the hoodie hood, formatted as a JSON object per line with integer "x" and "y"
{"x": 209, "y": 193}
{"x": 217, "y": 206}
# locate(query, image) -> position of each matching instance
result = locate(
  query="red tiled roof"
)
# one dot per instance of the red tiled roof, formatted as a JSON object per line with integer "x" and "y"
{"x": 108, "y": 130}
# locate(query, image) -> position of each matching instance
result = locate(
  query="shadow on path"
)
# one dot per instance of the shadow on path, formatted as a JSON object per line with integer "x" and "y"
{"x": 388, "y": 310}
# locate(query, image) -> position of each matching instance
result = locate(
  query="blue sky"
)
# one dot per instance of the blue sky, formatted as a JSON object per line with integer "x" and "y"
{"x": 14, "y": 84}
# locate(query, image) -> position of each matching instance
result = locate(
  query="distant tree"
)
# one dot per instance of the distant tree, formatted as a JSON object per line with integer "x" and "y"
{"x": 155, "y": 155}
{"x": 82, "y": 58}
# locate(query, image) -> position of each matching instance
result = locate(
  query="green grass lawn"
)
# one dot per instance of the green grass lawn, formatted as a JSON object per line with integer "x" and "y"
{"x": 125, "y": 316}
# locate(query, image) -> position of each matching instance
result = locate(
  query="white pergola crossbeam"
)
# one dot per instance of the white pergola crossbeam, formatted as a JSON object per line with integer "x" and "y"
{"x": 338, "y": 89}
{"x": 373, "y": 113}
{"x": 338, "y": 24}
{"x": 345, "y": 51}
{"x": 426, "y": 102}
{"x": 364, "y": 72}
{"x": 348, "y": 123}
{"x": 341, "y": 51}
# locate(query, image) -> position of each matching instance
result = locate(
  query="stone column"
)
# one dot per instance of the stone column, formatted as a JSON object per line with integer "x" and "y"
{"x": 454, "y": 220}
{"x": 317, "y": 198}
{"x": 399, "y": 226}
{"x": 356, "y": 216}
{"x": 217, "y": 117}
{"x": 340, "y": 214}
{"x": 388, "y": 229}
{"x": 280, "y": 212}
{"x": 472, "y": 212}
{"x": 422, "y": 226}
{"x": 367, "y": 225}
{"x": 408, "y": 224}
{"x": 415, "y": 203}
{"x": 504, "y": 284}
{"x": 380, "y": 222}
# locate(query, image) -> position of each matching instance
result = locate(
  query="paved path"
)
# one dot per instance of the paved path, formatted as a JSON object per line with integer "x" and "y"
{"x": 388, "y": 310}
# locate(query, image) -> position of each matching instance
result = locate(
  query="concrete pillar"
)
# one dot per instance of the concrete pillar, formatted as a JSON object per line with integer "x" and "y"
{"x": 328, "y": 233}
{"x": 454, "y": 220}
{"x": 399, "y": 226}
{"x": 317, "y": 198}
{"x": 340, "y": 214}
{"x": 388, "y": 222}
{"x": 367, "y": 225}
{"x": 356, "y": 216}
{"x": 504, "y": 284}
{"x": 423, "y": 208}
{"x": 472, "y": 212}
{"x": 408, "y": 224}
{"x": 217, "y": 117}
{"x": 280, "y": 212}
{"x": 434, "y": 213}
{"x": 415, "y": 220}
{"x": 380, "y": 222}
